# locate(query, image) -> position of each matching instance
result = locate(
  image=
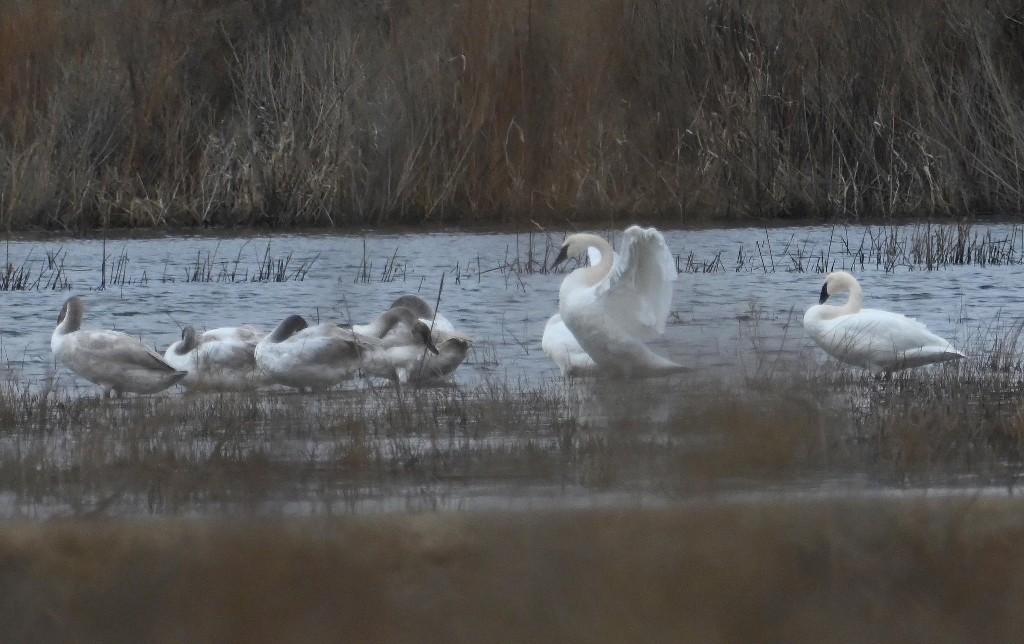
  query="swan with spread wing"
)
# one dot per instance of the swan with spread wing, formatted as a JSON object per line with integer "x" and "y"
{"x": 612, "y": 308}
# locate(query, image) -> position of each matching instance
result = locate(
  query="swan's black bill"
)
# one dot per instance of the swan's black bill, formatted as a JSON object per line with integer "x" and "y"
{"x": 563, "y": 254}
{"x": 824, "y": 294}
{"x": 427, "y": 340}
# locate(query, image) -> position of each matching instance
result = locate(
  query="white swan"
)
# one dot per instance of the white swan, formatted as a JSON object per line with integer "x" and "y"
{"x": 562, "y": 347}
{"x": 318, "y": 358}
{"x": 870, "y": 338}
{"x": 217, "y": 359}
{"x": 116, "y": 361}
{"x": 612, "y": 307}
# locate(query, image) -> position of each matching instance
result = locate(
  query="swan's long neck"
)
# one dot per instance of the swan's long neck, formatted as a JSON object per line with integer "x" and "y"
{"x": 71, "y": 319}
{"x": 393, "y": 317}
{"x": 587, "y": 276}
{"x": 288, "y": 327}
{"x": 596, "y": 273}
{"x": 854, "y": 302}
{"x": 189, "y": 341}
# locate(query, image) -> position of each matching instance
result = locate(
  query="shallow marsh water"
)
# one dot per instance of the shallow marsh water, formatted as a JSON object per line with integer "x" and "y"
{"x": 737, "y": 310}
{"x": 716, "y": 316}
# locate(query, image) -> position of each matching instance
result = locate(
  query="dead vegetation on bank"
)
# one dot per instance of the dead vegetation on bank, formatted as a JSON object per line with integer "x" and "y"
{"x": 190, "y": 113}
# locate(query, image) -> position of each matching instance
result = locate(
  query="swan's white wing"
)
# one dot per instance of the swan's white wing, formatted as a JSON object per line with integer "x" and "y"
{"x": 887, "y": 330}
{"x": 878, "y": 339}
{"x": 637, "y": 292}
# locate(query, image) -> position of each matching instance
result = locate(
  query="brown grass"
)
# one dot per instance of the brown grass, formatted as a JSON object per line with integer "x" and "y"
{"x": 785, "y": 425}
{"x": 147, "y": 113}
{"x": 814, "y": 571}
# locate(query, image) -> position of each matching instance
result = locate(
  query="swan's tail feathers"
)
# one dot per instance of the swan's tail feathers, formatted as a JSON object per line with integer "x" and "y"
{"x": 930, "y": 355}
{"x": 657, "y": 365}
{"x": 174, "y": 379}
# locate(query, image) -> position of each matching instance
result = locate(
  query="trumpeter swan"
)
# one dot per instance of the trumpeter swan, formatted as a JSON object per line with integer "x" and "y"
{"x": 113, "y": 360}
{"x": 409, "y": 351}
{"x": 452, "y": 346}
{"x": 216, "y": 359}
{"x": 871, "y": 338}
{"x": 612, "y": 307}
{"x": 561, "y": 345}
{"x": 318, "y": 358}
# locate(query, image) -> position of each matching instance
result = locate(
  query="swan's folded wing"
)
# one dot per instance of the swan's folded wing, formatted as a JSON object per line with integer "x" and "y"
{"x": 637, "y": 292}
{"x": 328, "y": 350}
{"x": 231, "y": 355}
{"x": 885, "y": 331}
{"x": 242, "y": 333}
{"x": 120, "y": 348}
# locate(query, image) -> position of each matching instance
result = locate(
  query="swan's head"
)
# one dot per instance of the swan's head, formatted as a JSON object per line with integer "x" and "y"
{"x": 189, "y": 340}
{"x": 287, "y": 328}
{"x": 403, "y": 315}
{"x": 71, "y": 313}
{"x": 422, "y": 331}
{"x": 416, "y": 304}
{"x": 837, "y": 282}
{"x": 573, "y": 246}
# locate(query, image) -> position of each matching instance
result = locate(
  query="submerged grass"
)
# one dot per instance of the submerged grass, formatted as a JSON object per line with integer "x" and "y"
{"x": 789, "y": 425}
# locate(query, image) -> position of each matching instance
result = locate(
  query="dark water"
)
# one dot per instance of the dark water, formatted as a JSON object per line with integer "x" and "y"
{"x": 754, "y": 291}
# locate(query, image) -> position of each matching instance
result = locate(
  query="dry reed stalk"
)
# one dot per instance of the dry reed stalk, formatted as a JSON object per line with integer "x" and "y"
{"x": 316, "y": 113}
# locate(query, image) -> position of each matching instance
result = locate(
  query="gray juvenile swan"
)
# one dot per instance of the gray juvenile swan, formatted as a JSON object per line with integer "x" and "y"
{"x": 317, "y": 358}
{"x": 216, "y": 360}
{"x": 871, "y": 338}
{"x": 452, "y": 347}
{"x": 409, "y": 351}
{"x": 115, "y": 361}
{"x": 423, "y": 311}
{"x": 613, "y": 307}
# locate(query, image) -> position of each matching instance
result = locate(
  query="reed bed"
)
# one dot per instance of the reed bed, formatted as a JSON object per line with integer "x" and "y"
{"x": 314, "y": 113}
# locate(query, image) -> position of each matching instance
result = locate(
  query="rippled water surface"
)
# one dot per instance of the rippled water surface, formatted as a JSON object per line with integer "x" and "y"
{"x": 754, "y": 286}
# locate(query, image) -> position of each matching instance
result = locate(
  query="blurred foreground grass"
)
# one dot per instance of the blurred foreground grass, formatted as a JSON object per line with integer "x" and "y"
{"x": 918, "y": 570}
